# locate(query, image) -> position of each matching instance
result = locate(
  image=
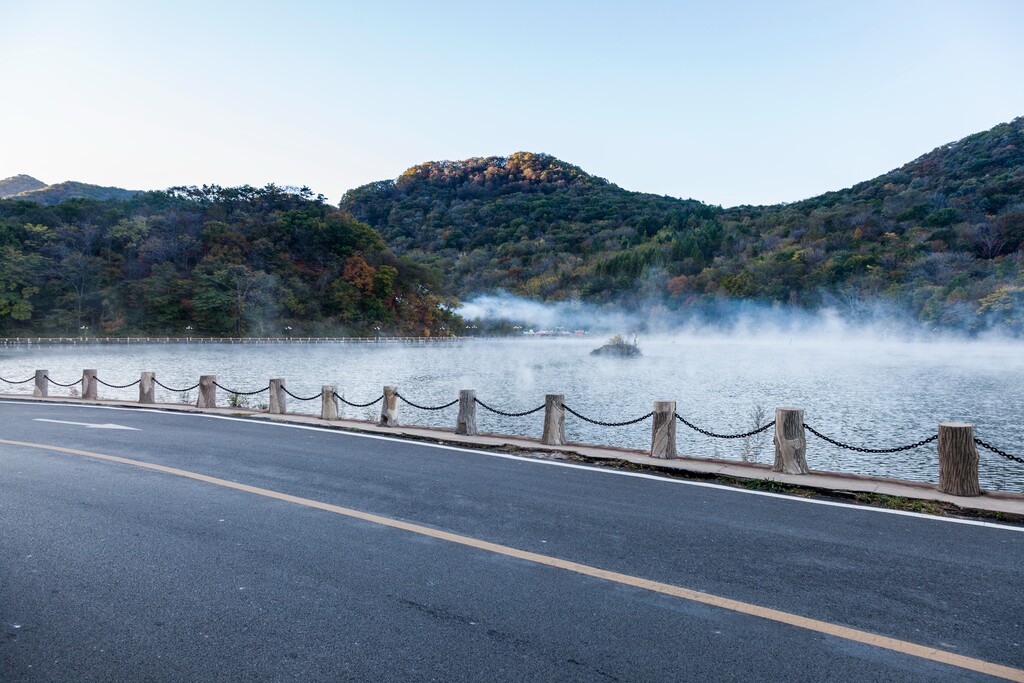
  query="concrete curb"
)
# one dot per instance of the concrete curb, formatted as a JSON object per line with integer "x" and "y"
{"x": 826, "y": 482}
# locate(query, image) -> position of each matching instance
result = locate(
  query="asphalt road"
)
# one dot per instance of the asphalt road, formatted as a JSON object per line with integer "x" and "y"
{"x": 113, "y": 572}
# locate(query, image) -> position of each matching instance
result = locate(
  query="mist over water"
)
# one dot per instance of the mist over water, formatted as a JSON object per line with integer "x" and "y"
{"x": 860, "y": 387}
{"x": 870, "y": 320}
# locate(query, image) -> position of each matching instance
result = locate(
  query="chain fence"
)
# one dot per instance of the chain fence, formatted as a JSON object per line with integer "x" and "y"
{"x": 11, "y": 381}
{"x": 513, "y": 414}
{"x": 301, "y": 398}
{"x": 119, "y": 386}
{"x": 860, "y": 449}
{"x": 177, "y": 391}
{"x": 624, "y": 423}
{"x": 508, "y": 414}
{"x": 416, "y": 405}
{"x": 360, "y": 405}
{"x": 998, "y": 451}
{"x": 242, "y": 393}
{"x": 705, "y": 432}
{"x": 56, "y": 383}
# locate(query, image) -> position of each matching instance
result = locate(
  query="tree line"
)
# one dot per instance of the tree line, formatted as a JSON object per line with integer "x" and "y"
{"x": 208, "y": 261}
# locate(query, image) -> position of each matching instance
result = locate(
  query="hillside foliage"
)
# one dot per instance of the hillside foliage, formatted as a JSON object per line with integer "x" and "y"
{"x": 207, "y": 261}
{"x": 941, "y": 237}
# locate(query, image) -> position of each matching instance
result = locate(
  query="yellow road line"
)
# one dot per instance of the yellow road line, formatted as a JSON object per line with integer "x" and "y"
{"x": 818, "y": 626}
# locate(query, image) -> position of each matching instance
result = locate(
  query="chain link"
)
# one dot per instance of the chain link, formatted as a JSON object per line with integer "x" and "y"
{"x": 859, "y": 449}
{"x": 705, "y": 432}
{"x": 177, "y": 391}
{"x": 998, "y": 451}
{"x": 24, "y": 381}
{"x": 242, "y": 393}
{"x": 300, "y": 398}
{"x": 118, "y": 386}
{"x": 608, "y": 424}
{"x": 502, "y": 412}
{"x": 61, "y": 385}
{"x": 416, "y": 405}
{"x": 360, "y": 405}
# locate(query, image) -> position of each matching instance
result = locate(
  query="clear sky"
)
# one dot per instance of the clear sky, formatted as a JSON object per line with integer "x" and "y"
{"x": 726, "y": 102}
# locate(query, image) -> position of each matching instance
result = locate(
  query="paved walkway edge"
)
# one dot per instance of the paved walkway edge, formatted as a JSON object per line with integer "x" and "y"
{"x": 991, "y": 502}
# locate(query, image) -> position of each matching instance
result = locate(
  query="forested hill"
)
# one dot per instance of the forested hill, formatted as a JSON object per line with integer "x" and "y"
{"x": 18, "y": 184}
{"x": 207, "y": 261}
{"x": 28, "y": 188}
{"x": 941, "y": 237}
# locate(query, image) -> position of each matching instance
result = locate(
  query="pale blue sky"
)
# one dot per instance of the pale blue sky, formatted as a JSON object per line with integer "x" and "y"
{"x": 726, "y": 102}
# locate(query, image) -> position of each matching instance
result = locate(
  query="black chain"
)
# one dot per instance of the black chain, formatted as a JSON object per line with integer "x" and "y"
{"x": 608, "y": 424}
{"x": 502, "y": 412}
{"x": 242, "y": 393}
{"x": 724, "y": 436}
{"x": 300, "y": 398}
{"x": 62, "y": 385}
{"x": 998, "y": 451}
{"x": 178, "y": 391}
{"x": 118, "y": 386}
{"x": 360, "y": 405}
{"x": 859, "y": 449}
{"x": 416, "y": 405}
{"x": 24, "y": 381}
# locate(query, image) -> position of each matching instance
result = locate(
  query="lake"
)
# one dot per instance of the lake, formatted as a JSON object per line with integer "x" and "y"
{"x": 859, "y": 390}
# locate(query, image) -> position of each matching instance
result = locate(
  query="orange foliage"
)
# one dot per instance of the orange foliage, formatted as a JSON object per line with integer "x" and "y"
{"x": 359, "y": 273}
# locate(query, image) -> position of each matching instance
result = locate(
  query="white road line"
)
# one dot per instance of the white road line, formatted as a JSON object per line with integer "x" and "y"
{"x": 552, "y": 463}
{"x": 90, "y": 425}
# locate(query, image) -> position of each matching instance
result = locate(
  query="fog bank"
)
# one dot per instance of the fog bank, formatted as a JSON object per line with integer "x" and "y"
{"x": 864, "y": 321}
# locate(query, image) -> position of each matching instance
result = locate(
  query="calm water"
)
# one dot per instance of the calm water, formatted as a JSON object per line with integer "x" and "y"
{"x": 863, "y": 392}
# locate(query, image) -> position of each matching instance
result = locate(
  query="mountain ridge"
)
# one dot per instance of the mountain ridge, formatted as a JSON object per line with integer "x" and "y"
{"x": 27, "y": 188}
{"x": 17, "y": 184}
{"x": 941, "y": 235}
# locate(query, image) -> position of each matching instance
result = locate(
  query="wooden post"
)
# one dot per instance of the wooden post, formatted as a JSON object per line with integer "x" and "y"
{"x": 958, "y": 460}
{"x": 465, "y": 423}
{"x": 89, "y": 384}
{"x": 147, "y": 388}
{"x": 389, "y": 408}
{"x": 554, "y": 420}
{"x": 207, "y": 392}
{"x": 790, "y": 442}
{"x": 277, "y": 397}
{"x": 42, "y": 386}
{"x": 663, "y": 431}
{"x": 328, "y": 403}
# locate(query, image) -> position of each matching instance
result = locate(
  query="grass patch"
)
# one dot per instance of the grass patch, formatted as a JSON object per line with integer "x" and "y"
{"x": 928, "y": 507}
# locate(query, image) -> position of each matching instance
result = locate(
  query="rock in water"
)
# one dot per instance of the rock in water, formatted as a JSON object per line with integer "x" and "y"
{"x": 619, "y": 348}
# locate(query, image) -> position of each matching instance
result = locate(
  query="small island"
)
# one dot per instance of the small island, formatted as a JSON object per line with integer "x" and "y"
{"x": 619, "y": 348}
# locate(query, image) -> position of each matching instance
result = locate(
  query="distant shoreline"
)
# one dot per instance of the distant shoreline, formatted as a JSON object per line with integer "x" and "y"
{"x": 83, "y": 341}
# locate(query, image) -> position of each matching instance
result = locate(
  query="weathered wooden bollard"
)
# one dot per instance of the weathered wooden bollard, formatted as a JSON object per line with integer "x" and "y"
{"x": 663, "y": 430}
{"x": 207, "y": 392}
{"x": 89, "y": 388}
{"x": 147, "y": 388}
{"x": 790, "y": 442}
{"x": 465, "y": 423}
{"x": 41, "y": 389}
{"x": 554, "y": 420}
{"x": 328, "y": 403}
{"x": 277, "y": 404}
{"x": 389, "y": 408}
{"x": 958, "y": 460}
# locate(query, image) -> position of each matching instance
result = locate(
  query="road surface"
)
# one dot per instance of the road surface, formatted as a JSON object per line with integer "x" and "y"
{"x": 196, "y": 548}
